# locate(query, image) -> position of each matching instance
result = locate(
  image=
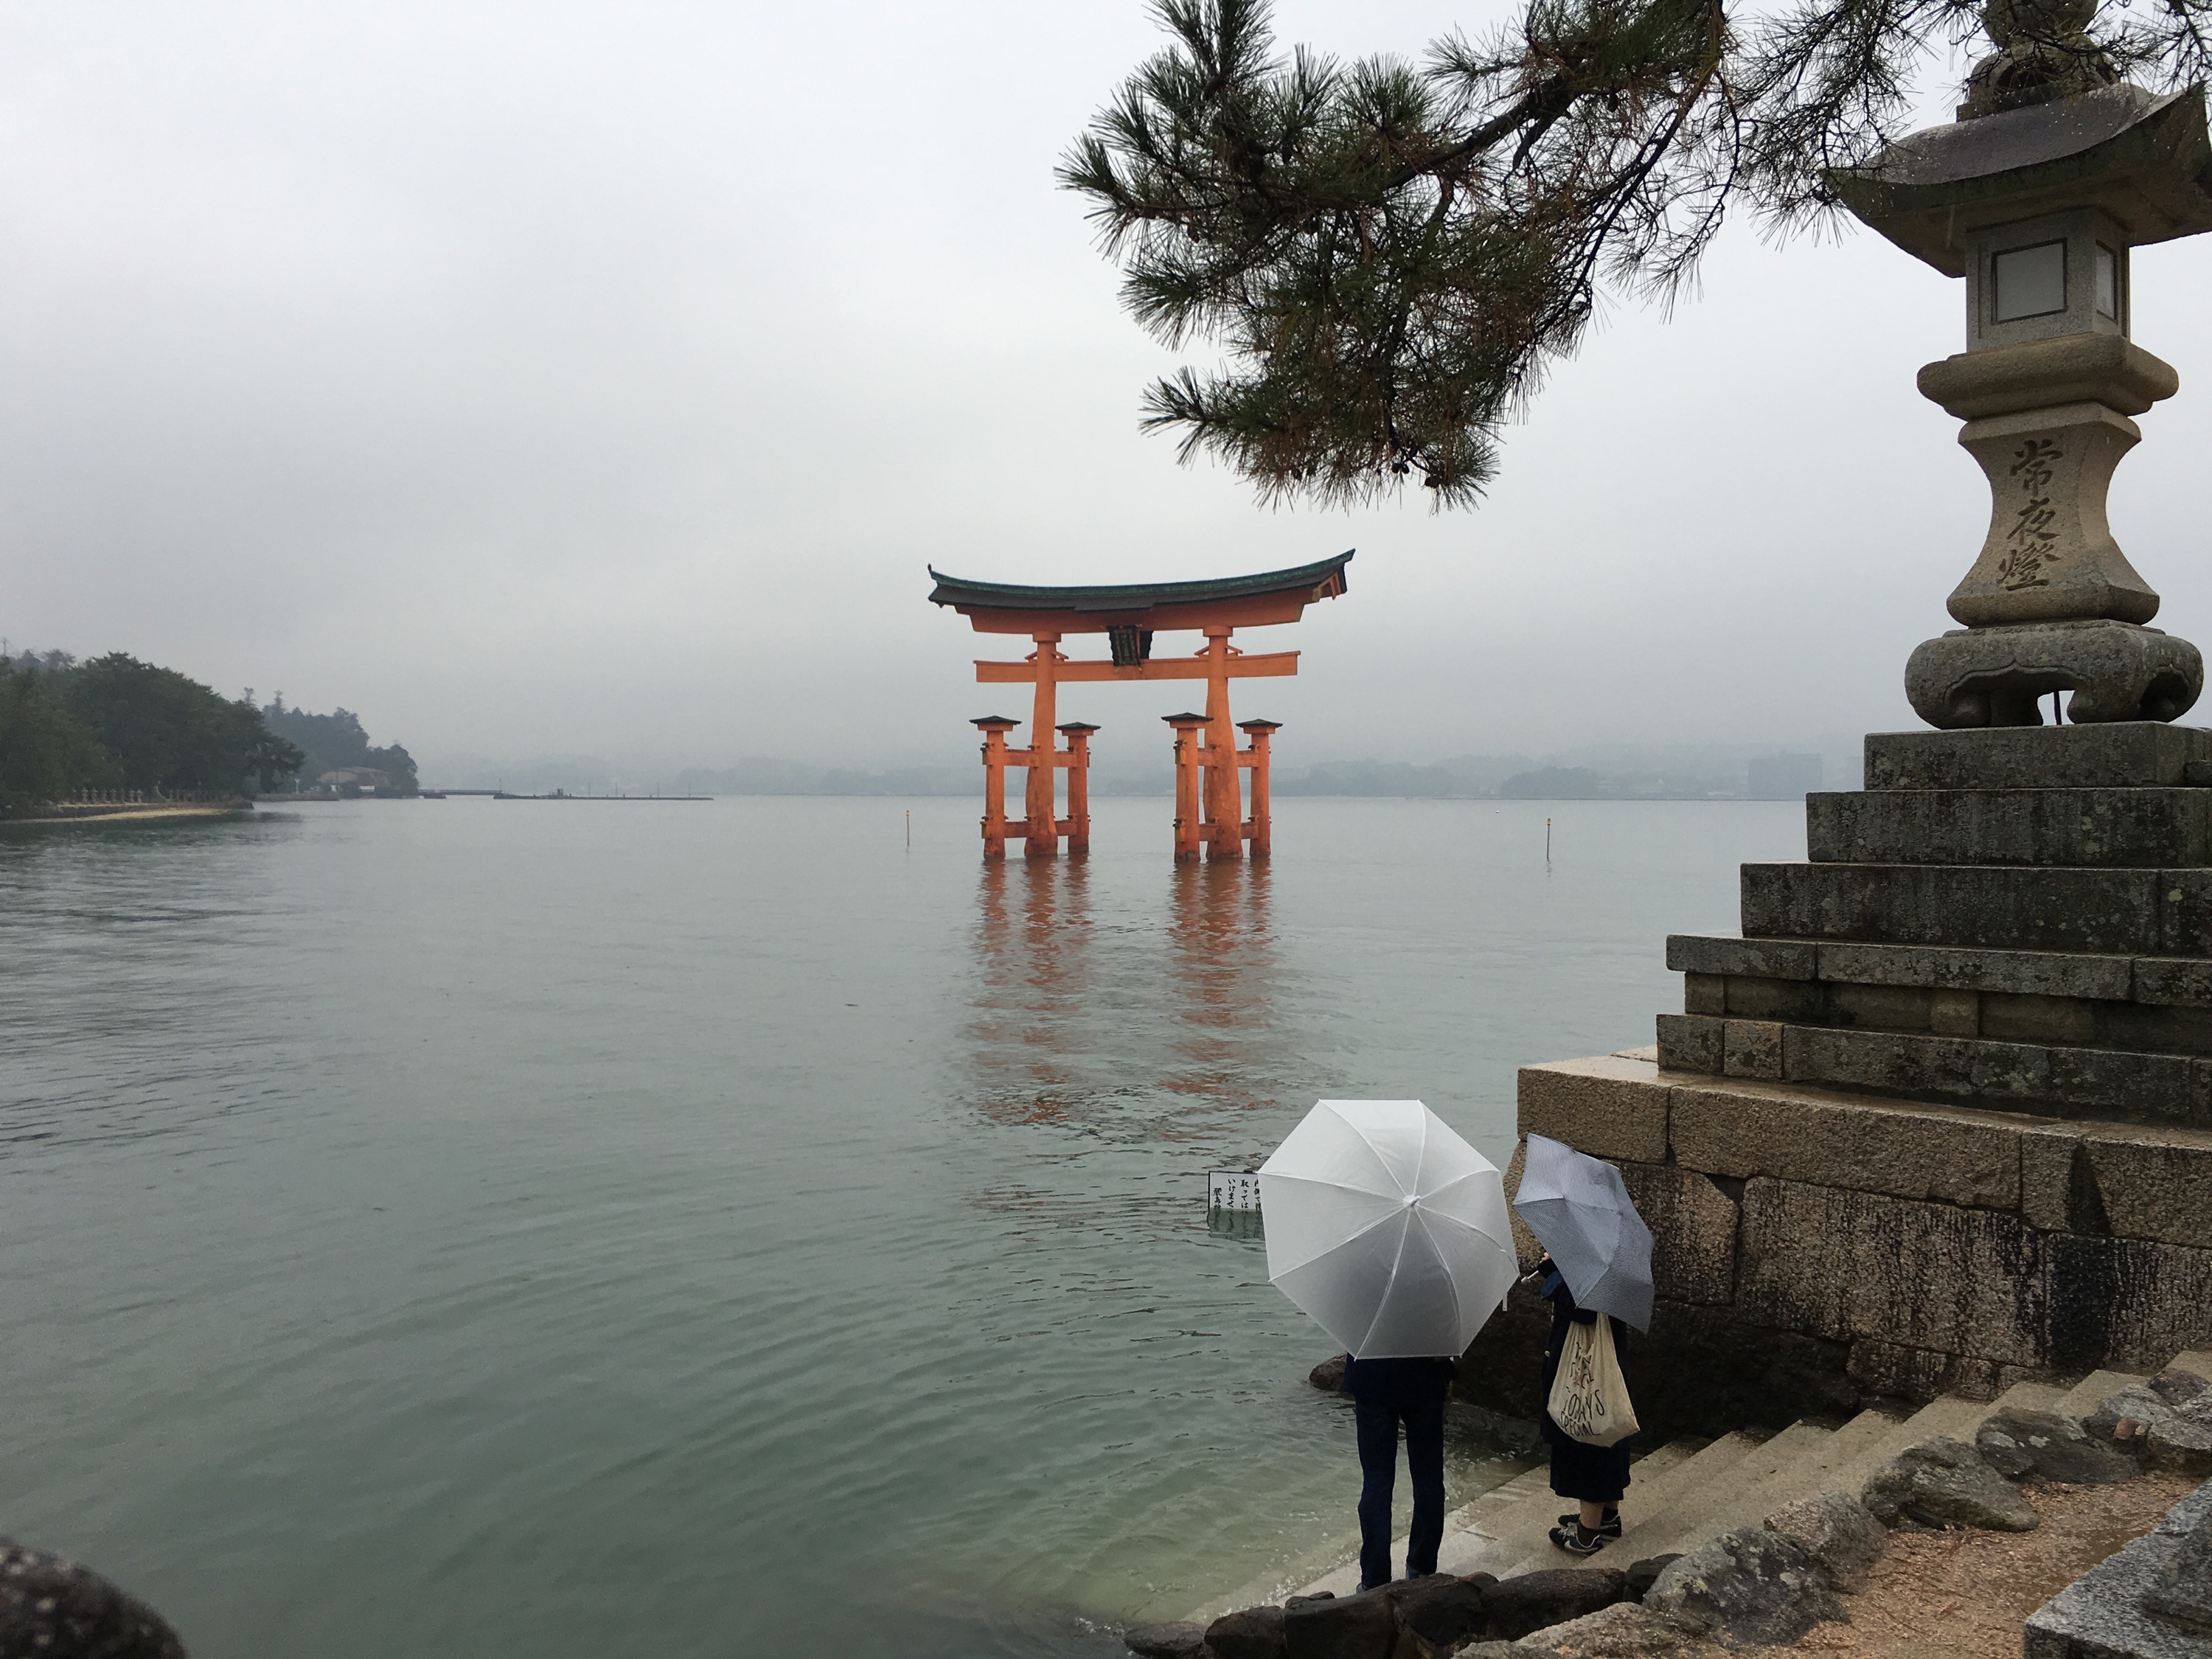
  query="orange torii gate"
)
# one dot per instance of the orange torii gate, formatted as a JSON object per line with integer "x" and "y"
{"x": 1209, "y": 803}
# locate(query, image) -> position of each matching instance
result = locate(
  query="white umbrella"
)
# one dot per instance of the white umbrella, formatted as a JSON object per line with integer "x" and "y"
{"x": 1387, "y": 1228}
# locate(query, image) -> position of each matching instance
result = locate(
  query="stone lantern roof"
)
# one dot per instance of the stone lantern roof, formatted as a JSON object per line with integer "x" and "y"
{"x": 2144, "y": 160}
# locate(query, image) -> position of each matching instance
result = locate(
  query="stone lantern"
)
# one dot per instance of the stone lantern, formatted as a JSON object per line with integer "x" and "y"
{"x": 2035, "y": 195}
{"x": 1937, "y": 1118}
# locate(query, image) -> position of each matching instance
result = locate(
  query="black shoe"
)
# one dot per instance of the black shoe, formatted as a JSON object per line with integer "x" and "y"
{"x": 1609, "y": 1527}
{"x": 1578, "y": 1539}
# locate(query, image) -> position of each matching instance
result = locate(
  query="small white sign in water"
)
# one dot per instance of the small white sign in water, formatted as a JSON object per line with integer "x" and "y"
{"x": 1233, "y": 1189}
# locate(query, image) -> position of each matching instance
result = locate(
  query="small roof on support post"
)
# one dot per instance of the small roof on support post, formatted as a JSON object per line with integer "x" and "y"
{"x": 1255, "y": 601}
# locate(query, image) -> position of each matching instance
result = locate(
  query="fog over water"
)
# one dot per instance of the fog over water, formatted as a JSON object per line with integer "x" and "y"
{"x": 596, "y": 379}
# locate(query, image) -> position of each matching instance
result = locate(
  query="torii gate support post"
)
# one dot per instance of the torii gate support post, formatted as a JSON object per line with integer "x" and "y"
{"x": 1224, "y": 804}
{"x": 994, "y": 728}
{"x": 1076, "y": 825}
{"x": 1255, "y": 756}
{"x": 1042, "y": 841}
{"x": 1189, "y": 764}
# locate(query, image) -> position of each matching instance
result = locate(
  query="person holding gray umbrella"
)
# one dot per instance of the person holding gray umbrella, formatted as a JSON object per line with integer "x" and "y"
{"x": 1596, "y": 1264}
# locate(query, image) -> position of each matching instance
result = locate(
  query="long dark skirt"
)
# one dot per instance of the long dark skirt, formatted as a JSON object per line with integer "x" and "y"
{"x": 1588, "y": 1474}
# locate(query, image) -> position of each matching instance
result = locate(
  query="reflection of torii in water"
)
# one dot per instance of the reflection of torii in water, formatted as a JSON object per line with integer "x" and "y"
{"x": 1209, "y": 804}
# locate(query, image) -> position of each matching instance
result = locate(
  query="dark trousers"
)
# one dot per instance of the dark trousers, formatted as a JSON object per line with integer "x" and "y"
{"x": 1378, "y": 1423}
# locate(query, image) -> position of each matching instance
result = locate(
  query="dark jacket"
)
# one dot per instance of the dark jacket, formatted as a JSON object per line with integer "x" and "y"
{"x": 1402, "y": 1383}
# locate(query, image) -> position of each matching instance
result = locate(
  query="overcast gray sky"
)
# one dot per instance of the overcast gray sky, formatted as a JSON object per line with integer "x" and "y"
{"x": 601, "y": 378}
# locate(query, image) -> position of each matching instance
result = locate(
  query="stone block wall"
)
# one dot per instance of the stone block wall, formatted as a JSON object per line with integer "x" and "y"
{"x": 1941, "y": 1118}
{"x": 1816, "y": 1250}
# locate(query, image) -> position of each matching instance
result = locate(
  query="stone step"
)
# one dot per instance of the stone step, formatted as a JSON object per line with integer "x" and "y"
{"x": 2096, "y": 828}
{"x": 2197, "y": 1362}
{"x": 1343, "y": 1577}
{"x": 1682, "y": 1509}
{"x": 1749, "y": 1505}
{"x": 1947, "y": 1415}
{"x": 2120, "y": 1085}
{"x": 2085, "y": 1396}
{"x": 1473, "y": 1546}
{"x": 1798, "y": 1463}
{"x": 1472, "y": 1526}
{"x": 2161, "y": 912}
{"x": 1946, "y": 967}
{"x": 1526, "y": 1537}
{"x": 2028, "y": 1397}
{"x": 2114, "y": 755}
{"x": 2122, "y": 1023}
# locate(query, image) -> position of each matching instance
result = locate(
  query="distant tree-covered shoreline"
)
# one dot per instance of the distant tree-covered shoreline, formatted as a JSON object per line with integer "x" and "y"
{"x": 116, "y": 723}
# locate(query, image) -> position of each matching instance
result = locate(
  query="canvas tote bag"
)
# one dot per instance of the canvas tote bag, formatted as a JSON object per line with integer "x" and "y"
{"x": 1590, "y": 1397}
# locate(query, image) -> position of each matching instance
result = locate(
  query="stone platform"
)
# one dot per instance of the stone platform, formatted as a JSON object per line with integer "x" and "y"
{"x": 1940, "y": 1119}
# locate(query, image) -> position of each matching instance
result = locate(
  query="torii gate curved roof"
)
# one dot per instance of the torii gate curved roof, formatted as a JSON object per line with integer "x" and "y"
{"x": 1255, "y": 601}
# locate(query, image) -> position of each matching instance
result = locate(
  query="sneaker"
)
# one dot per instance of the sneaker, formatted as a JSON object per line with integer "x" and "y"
{"x": 1609, "y": 1527}
{"x": 1577, "y": 1540}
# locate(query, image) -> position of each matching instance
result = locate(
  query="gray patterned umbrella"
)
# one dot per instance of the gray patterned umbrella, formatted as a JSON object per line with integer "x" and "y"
{"x": 1579, "y": 1210}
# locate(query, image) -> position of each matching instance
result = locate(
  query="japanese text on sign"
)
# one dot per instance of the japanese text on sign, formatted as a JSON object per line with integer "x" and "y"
{"x": 1233, "y": 1189}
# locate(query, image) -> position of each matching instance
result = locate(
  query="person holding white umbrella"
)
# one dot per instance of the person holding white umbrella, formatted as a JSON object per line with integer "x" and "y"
{"x": 1391, "y": 1232}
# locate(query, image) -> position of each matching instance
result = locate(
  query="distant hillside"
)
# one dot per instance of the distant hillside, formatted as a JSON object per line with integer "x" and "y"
{"x": 337, "y": 742}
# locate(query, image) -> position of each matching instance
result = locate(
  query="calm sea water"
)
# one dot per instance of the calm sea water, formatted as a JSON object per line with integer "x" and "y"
{"x": 488, "y": 1229}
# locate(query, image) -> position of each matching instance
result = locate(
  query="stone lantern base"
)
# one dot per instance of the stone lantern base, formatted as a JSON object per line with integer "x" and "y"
{"x": 1941, "y": 1118}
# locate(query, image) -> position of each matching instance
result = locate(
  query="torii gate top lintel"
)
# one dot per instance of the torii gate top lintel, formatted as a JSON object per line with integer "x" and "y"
{"x": 1255, "y": 601}
{"x": 1208, "y": 806}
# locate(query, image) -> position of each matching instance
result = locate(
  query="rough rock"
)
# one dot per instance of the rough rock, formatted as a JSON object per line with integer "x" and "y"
{"x": 1179, "y": 1640}
{"x": 2180, "y": 1387}
{"x": 1757, "y": 1586}
{"x": 1442, "y": 1609}
{"x": 1247, "y": 1633}
{"x": 1943, "y": 1482}
{"x": 2182, "y": 1442}
{"x": 1535, "y": 1600}
{"x": 2022, "y": 1445}
{"x": 2109, "y": 1609}
{"x": 2182, "y": 1594}
{"x": 1328, "y": 1376}
{"x": 1840, "y": 1535}
{"x": 52, "y": 1606}
{"x": 1364, "y": 1626}
{"x": 1641, "y": 1574}
{"x": 2134, "y": 1402}
{"x": 1624, "y": 1631}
